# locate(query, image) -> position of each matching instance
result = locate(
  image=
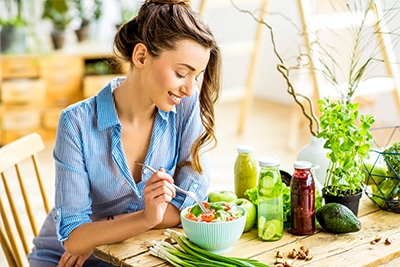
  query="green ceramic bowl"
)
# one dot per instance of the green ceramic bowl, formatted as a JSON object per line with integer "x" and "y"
{"x": 216, "y": 237}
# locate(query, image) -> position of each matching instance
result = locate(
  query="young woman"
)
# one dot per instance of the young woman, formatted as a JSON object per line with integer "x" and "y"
{"x": 155, "y": 115}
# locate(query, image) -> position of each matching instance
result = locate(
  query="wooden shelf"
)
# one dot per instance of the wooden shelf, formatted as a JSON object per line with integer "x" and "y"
{"x": 35, "y": 88}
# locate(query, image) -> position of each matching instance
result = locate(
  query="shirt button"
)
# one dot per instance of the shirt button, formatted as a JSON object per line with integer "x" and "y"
{"x": 195, "y": 186}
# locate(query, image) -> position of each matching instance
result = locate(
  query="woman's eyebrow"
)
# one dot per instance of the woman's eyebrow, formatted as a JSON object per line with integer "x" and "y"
{"x": 188, "y": 66}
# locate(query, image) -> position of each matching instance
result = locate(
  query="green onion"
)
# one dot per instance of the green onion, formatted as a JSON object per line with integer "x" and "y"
{"x": 169, "y": 253}
{"x": 188, "y": 254}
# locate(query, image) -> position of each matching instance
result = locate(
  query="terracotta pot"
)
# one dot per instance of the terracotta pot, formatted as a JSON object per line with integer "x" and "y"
{"x": 12, "y": 40}
{"x": 82, "y": 33}
{"x": 58, "y": 38}
{"x": 351, "y": 201}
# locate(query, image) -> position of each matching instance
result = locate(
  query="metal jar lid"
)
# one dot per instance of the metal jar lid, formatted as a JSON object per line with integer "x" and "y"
{"x": 269, "y": 162}
{"x": 302, "y": 164}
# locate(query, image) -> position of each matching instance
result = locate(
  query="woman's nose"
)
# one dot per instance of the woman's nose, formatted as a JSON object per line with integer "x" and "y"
{"x": 188, "y": 88}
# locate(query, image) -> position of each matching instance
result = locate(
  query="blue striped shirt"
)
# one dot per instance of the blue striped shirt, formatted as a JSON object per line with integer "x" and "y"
{"x": 93, "y": 179}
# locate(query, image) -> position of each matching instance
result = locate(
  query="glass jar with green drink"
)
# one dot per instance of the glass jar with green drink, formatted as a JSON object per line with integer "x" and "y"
{"x": 270, "y": 200}
{"x": 245, "y": 170}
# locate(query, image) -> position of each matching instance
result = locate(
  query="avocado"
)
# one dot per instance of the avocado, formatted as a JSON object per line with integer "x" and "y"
{"x": 337, "y": 218}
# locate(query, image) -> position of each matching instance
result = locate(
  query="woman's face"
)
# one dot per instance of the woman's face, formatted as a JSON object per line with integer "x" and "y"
{"x": 173, "y": 74}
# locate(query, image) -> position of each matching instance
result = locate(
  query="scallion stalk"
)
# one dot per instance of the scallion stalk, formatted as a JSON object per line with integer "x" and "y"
{"x": 169, "y": 254}
{"x": 188, "y": 254}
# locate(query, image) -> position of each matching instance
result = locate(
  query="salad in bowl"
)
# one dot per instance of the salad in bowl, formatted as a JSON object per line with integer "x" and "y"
{"x": 216, "y": 212}
{"x": 216, "y": 230}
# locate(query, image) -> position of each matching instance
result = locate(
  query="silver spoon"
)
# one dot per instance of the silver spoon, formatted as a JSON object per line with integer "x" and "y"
{"x": 188, "y": 193}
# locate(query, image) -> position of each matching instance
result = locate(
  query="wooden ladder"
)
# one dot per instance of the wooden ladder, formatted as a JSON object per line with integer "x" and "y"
{"x": 243, "y": 93}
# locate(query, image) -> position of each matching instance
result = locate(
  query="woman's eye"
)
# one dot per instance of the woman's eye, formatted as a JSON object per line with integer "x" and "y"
{"x": 180, "y": 75}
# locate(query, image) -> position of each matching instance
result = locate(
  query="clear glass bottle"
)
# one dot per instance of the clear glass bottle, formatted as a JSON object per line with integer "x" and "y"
{"x": 245, "y": 170}
{"x": 270, "y": 200}
{"x": 302, "y": 189}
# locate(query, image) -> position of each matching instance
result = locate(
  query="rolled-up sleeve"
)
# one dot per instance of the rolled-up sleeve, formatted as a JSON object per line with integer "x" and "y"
{"x": 73, "y": 203}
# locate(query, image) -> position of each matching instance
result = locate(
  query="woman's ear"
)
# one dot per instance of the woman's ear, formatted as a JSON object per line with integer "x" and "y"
{"x": 139, "y": 55}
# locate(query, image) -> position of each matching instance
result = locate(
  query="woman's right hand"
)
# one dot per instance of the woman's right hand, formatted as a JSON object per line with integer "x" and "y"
{"x": 67, "y": 259}
{"x": 158, "y": 192}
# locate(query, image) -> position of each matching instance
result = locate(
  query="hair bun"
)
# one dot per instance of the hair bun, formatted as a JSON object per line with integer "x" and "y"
{"x": 186, "y": 3}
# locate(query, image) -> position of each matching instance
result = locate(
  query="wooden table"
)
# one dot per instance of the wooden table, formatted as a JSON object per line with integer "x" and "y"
{"x": 353, "y": 249}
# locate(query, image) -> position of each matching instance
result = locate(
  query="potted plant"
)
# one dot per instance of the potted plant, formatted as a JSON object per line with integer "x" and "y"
{"x": 348, "y": 139}
{"x": 87, "y": 11}
{"x": 127, "y": 12}
{"x": 12, "y": 31}
{"x": 344, "y": 129}
{"x": 58, "y": 11}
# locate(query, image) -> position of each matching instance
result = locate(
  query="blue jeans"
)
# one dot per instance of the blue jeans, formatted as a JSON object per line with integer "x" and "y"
{"x": 89, "y": 263}
{"x": 47, "y": 249}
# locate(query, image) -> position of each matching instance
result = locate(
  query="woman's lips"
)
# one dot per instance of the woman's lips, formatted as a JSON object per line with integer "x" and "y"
{"x": 176, "y": 99}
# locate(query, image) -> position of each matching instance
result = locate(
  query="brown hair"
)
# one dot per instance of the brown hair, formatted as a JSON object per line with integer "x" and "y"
{"x": 159, "y": 25}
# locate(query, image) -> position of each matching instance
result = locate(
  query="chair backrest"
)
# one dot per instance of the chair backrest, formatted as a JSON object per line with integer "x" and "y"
{"x": 22, "y": 195}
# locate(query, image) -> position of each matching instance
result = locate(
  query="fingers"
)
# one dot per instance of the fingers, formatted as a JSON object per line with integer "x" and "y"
{"x": 160, "y": 185}
{"x": 160, "y": 190}
{"x": 163, "y": 175}
{"x": 68, "y": 260}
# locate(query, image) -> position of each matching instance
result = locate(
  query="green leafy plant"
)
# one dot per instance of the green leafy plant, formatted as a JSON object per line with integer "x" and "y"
{"x": 348, "y": 138}
{"x": 88, "y": 10}
{"x": 58, "y": 11}
{"x": 127, "y": 11}
{"x": 13, "y": 10}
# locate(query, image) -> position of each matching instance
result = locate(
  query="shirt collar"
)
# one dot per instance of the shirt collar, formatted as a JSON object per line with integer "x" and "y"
{"x": 106, "y": 112}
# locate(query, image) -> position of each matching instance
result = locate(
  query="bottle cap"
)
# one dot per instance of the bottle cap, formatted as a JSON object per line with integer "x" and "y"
{"x": 302, "y": 164}
{"x": 245, "y": 149}
{"x": 269, "y": 162}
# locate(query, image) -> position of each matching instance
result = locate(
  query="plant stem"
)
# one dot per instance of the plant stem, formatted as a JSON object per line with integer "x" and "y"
{"x": 284, "y": 71}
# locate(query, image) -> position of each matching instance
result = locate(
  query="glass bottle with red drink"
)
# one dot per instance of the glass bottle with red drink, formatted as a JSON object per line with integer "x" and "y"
{"x": 302, "y": 188}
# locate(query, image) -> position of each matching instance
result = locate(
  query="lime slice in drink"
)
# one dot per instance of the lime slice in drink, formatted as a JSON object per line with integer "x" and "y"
{"x": 267, "y": 182}
{"x": 261, "y": 222}
{"x": 271, "y": 228}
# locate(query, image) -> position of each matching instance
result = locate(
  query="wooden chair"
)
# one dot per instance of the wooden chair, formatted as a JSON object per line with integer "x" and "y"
{"x": 22, "y": 195}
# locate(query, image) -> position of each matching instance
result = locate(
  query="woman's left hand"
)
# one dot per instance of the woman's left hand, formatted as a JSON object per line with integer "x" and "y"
{"x": 69, "y": 260}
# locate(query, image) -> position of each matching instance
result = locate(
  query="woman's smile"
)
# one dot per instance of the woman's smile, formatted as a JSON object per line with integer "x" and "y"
{"x": 176, "y": 99}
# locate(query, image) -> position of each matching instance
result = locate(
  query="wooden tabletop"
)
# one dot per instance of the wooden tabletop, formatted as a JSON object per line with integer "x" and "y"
{"x": 353, "y": 249}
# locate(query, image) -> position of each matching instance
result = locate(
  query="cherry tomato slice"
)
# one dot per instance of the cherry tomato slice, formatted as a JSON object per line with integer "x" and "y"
{"x": 190, "y": 216}
{"x": 206, "y": 204}
{"x": 207, "y": 217}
